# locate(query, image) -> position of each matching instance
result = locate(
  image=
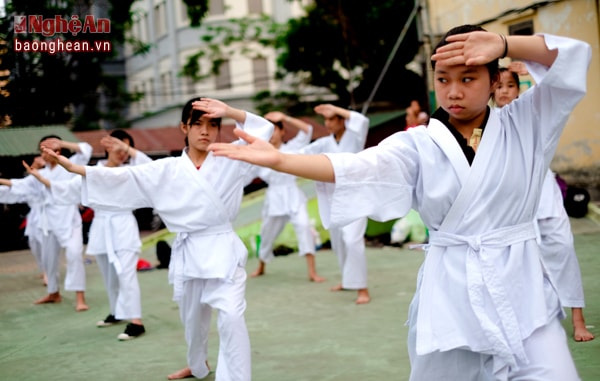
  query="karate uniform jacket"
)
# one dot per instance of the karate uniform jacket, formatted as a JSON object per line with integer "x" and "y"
{"x": 283, "y": 196}
{"x": 481, "y": 286}
{"x": 58, "y": 216}
{"x": 199, "y": 205}
{"x": 111, "y": 230}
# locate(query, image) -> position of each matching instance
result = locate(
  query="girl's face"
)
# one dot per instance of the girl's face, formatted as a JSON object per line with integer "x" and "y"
{"x": 201, "y": 133}
{"x": 463, "y": 92}
{"x": 117, "y": 158}
{"x": 507, "y": 90}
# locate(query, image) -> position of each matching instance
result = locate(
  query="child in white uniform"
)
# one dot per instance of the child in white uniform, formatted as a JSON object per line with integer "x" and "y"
{"x": 556, "y": 237}
{"x": 484, "y": 309}
{"x": 113, "y": 238}
{"x": 284, "y": 201}
{"x": 348, "y": 133}
{"x": 59, "y": 221}
{"x": 198, "y": 196}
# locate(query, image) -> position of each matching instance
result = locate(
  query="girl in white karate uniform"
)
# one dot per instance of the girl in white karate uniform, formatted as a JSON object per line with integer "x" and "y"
{"x": 556, "y": 237}
{"x": 348, "y": 133}
{"x": 198, "y": 196}
{"x": 284, "y": 201}
{"x": 484, "y": 308}
{"x": 35, "y": 202}
{"x": 60, "y": 221}
{"x": 113, "y": 238}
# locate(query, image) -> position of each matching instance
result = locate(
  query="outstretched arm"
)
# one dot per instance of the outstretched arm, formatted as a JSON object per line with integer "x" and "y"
{"x": 479, "y": 48}
{"x": 260, "y": 152}
{"x": 33, "y": 171}
{"x": 66, "y": 163}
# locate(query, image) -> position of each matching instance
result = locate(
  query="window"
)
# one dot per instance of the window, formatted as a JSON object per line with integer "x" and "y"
{"x": 223, "y": 80}
{"x": 524, "y": 28}
{"x": 216, "y": 7}
{"x": 261, "y": 74}
{"x": 255, "y": 6}
{"x": 160, "y": 21}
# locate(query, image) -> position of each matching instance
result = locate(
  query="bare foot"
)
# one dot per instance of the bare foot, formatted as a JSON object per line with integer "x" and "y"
{"x": 363, "y": 297}
{"x": 81, "y": 307}
{"x": 581, "y": 334}
{"x": 260, "y": 270}
{"x": 337, "y": 287}
{"x": 317, "y": 279}
{"x": 183, "y": 373}
{"x": 50, "y": 298}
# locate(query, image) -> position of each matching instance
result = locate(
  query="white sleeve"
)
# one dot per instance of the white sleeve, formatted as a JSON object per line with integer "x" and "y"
{"x": 140, "y": 158}
{"x": 83, "y": 157}
{"x": 377, "y": 183}
{"x": 255, "y": 126}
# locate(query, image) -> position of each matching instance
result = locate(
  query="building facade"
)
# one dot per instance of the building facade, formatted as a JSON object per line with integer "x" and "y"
{"x": 164, "y": 25}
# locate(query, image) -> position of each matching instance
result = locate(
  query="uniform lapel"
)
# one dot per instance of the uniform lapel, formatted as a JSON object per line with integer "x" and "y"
{"x": 470, "y": 177}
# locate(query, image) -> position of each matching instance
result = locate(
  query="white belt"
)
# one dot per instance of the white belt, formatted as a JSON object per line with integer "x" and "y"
{"x": 506, "y": 336}
{"x": 176, "y": 263}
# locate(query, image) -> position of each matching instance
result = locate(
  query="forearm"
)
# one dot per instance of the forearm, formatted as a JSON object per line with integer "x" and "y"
{"x": 298, "y": 123}
{"x": 6, "y": 182}
{"x": 71, "y": 146}
{"x": 236, "y": 114}
{"x": 314, "y": 167}
{"x": 530, "y": 48}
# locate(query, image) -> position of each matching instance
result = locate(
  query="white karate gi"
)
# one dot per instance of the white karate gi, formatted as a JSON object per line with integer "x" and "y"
{"x": 208, "y": 257}
{"x": 114, "y": 239}
{"x": 557, "y": 247}
{"x": 483, "y": 304}
{"x": 61, "y": 223}
{"x": 347, "y": 240}
{"x": 32, "y": 230}
{"x": 284, "y": 201}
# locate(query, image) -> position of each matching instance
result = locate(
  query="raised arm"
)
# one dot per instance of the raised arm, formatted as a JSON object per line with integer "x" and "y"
{"x": 66, "y": 163}
{"x": 260, "y": 152}
{"x": 479, "y": 48}
{"x": 216, "y": 109}
{"x": 33, "y": 171}
{"x": 329, "y": 111}
{"x": 278, "y": 116}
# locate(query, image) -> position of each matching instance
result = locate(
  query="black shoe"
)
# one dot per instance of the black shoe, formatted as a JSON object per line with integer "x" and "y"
{"x": 132, "y": 331}
{"x": 110, "y": 320}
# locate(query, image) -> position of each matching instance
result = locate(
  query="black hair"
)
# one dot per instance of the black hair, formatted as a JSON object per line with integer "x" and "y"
{"x": 491, "y": 66}
{"x": 277, "y": 124}
{"x": 63, "y": 151}
{"x": 122, "y": 135}
{"x": 189, "y": 115}
{"x": 514, "y": 74}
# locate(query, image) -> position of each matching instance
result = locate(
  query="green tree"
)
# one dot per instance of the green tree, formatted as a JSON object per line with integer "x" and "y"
{"x": 62, "y": 87}
{"x": 339, "y": 46}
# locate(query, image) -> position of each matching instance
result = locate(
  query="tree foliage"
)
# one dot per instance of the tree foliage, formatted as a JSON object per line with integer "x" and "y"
{"x": 62, "y": 87}
{"x": 339, "y": 46}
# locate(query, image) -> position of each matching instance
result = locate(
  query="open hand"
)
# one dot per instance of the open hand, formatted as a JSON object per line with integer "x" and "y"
{"x": 257, "y": 151}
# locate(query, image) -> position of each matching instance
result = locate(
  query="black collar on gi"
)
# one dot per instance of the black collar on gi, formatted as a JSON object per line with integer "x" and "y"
{"x": 443, "y": 117}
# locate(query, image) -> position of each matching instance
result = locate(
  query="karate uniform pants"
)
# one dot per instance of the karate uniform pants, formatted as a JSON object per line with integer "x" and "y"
{"x": 272, "y": 226}
{"x": 546, "y": 349}
{"x": 73, "y": 246}
{"x": 348, "y": 243}
{"x": 35, "y": 245}
{"x": 560, "y": 261}
{"x": 198, "y": 299}
{"x": 124, "y": 296}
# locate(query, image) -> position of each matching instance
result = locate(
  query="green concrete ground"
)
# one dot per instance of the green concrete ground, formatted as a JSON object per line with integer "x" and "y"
{"x": 299, "y": 330}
